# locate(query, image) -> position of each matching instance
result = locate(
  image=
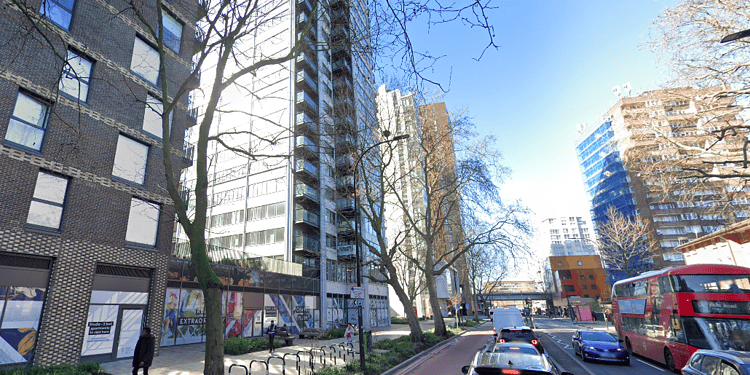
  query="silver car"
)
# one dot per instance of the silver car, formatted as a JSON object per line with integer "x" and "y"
{"x": 718, "y": 362}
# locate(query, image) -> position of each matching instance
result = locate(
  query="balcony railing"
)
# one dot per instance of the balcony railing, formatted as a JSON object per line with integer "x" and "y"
{"x": 306, "y": 243}
{"x": 302, "y": 215}
{"x": 345, "y": 204}
{"x": 303, "y": 18}
{"x": 302, "y": 76}
{"x": 192, "y": 115}
{"x": 239, "y": 258}
{"x": 188, "y": 153}
{"x": 342, "y": 83}
{"x": 304, "y": 142}
{"x": 346, "y": 251}
{"x": 303, "y": 190}
{"x": 303, "y": 119}
{"x": 345, "y": 227}
{"x": 342, "y": 101}
{"x": 305, "y": 166}
{"x": 345, "y": 161}
{"x": 305, "y": 4}
{"x": 307, "y": 59}
{"x": 341, "y": 65}
{"x": 303, "y": 98}
{"x": 345, "y": 182}
{"x": 343, "y": 121}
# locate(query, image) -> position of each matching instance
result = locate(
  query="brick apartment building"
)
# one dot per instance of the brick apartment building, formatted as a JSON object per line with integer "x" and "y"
{"x": 85, "y": 220}
{"x": 577, "y": 276}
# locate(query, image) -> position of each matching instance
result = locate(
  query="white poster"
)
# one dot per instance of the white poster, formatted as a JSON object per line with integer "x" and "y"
{"x": 101, "y": 326}
{"x": 130, "y": 331}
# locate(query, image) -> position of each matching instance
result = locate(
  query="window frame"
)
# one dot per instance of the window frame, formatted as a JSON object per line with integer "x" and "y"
{"x": 47, "y": 110}
{"x": 142, "y": 245}
{"x": 145, "y": 164}
{"x": 46, "y": 202}
{"x": 168, "y": 14}
{"x": 57, "y": 3}
{"x": 147, "y": 108}
{"x": 67, "y": 65}
{"x": 146, "y": 43}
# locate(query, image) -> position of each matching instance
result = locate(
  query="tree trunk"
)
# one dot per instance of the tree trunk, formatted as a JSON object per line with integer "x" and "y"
{"x": 476, "y": 304}
{"x": 434, "y": 304}
{"x": 214, "y": 358}
{"x": 416, "y": 330}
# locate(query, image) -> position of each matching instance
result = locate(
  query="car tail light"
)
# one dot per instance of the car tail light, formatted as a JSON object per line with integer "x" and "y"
{"x": 534, "y": 342}
{"x": 494, "y": 331}
{"x": 501, "y": 341}
{"x": 510, "y": 371}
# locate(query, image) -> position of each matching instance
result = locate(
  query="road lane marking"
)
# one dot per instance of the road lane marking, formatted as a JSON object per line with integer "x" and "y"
{"x": 650, "y": 365}
{"x": 576, "y": 360}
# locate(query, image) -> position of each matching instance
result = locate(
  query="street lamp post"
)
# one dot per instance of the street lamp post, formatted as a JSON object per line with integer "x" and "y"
{"x": 357, "y": 232}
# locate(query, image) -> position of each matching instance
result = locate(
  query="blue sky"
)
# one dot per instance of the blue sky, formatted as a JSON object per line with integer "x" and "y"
{"x": 555, "y": 67}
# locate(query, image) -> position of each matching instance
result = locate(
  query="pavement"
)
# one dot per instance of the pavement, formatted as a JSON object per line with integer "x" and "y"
{"x": 189, "y": 359}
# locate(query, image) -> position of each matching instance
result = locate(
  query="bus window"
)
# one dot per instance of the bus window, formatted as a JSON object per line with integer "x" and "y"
{"x": 695, "y": 336}
{"x": 676, "y": 332}
{"x": 664, "y": 285}
{"x": 712, "y": 283}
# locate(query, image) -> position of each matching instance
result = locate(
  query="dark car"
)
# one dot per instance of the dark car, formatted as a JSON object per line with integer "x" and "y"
{"x": 724, "y": 362}
{"x": 520, "y": 334}
{"x": 518, "y": 359}
{"x": 600, "y": 346}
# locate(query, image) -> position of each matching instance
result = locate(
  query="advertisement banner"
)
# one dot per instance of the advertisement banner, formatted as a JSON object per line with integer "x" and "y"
{"x": 233, "y": 322}
{"x": 190, "y": 322}
{"x": 20, "y": 322}
{"x": 169, "y": 319}
{"x": 101, "y": 326}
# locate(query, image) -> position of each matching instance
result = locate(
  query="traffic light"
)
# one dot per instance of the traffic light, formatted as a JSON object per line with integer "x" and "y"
{"x": 528, "y": 302}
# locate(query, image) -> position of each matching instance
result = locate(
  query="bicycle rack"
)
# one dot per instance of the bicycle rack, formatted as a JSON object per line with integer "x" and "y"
{"x": 283, "y": 363}
{"x": 310, "y": 356}
{"x": 331, "y": 355}
{"x": 250, "y": 365}
{"x": 298, "y": 360}
{"x": 247, "y": 372}
{"x": 342, "y": 351}
{"x": 322, "y": 357}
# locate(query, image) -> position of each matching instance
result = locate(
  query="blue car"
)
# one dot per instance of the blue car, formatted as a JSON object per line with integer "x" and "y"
{"x": 600, "y": 346}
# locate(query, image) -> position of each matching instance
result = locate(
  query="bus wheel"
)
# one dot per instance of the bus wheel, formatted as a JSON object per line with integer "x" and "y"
{"x": 628, "y": 346}
{"x": 669, "y": 360}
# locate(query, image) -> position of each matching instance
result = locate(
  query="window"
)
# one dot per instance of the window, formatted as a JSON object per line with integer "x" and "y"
{"x": 330, "y": 241}
{"x": 58, "y": 11}
{"x": 27, "y": 125}
{"x": 580, "y": 263}
{"x": 152, "y": 116}
{"x": 143, "y": 222}
{"x": 145, "y": 62}
{"x": 591, "y": 277}
{"x": 172, "y": 31}
{"x": 583, "y": 287}
{"x": 75, "y": 76}
{"x": 130, "y": 160}
{"x": 559, "y": 264}
{"x": 593, "y": 286}
{"x": 582, "y": 277}
{"x": 330, "y": 217}
{"x": 47, "y": 204}
{"x": 570, "y": 289}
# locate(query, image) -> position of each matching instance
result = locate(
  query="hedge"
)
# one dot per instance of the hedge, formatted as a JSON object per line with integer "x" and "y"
{"x": 82, "y": 369}
{"x": 240, "y": 345}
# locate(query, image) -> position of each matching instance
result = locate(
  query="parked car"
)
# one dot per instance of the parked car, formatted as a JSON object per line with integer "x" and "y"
{"x": 520, "y": 334}
{"x": 724, "y": 362}
{"x": 517, "y": 358}
{"x": 600, "y": 346}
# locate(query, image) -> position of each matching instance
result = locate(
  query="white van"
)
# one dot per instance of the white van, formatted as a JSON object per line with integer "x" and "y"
{"x": 505, "y": 317}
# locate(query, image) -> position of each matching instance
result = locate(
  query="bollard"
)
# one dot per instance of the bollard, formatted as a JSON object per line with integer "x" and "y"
{"x": 243, "y": 366}
{"x": 250, "y": 365}
{"x": 283, "y": 363}
{"x": 298, "y": 360}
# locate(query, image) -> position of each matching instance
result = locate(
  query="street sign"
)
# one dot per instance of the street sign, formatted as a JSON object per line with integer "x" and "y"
{"x": 357, "y": 292}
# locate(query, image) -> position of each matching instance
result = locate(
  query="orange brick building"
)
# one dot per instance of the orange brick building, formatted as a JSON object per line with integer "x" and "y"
{"x": 578, "y": 275}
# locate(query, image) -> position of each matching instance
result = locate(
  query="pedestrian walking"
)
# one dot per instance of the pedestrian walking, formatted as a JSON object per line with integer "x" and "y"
{"x": 143, "y": 354}
{"x": 271, "y": 332}
{"x": 349, "y": 333}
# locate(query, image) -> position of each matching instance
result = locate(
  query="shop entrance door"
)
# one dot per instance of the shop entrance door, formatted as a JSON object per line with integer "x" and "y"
{"x": 130, "y": 323}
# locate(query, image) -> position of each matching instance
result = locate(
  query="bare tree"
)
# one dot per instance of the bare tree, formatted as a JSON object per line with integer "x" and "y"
{"x": 486, "y": 265}
{"x": 625, "y": 243}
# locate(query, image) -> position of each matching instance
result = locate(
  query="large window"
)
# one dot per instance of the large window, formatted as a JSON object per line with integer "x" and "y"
{"x": 145, "y": 61}
{"x": 130, "y": 160}
{"x": 143, "y": 222}
{"x": 75, "y": 76}
{"x": 152, "y": 116}
{"x": 29, "y": 120}
{"x": 172, "y": 31}
{"x": 58, "y": 11}
{"x": 47, "y": 204}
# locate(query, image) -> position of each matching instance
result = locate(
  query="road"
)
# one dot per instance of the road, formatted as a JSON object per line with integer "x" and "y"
{"x": 556, "y": 337}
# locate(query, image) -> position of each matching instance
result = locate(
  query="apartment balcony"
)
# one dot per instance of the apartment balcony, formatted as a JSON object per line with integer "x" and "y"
{"x": 304, "y": 122}
{"x": 304, "y": 191}
{"x": 303, "y": 216}
{"x": 198, "y": 40}
{"x": 339, "y": 32}
{"x": 196, "y": 81}
{"x": 344, "y": 102}
{"x": 341, "y": 53}
{"x": 345, "y": 162}
{"x": 343, "y": 123}
{"x": 341, "y": 66}
{"x": 307, "y": 146}
{"x": 307, "y": 82}
{"x": 340, "y": 15}
{"x": 303, "y": 18}
{"x": 306, "y": 102}
{"x": 342, "y": 84}
{"x": 306, "y": 60}
{"x": 308, "y": 30}
{"x": 192, "y": 116}
{"x": 345, "y": 228}
{"x": 307, "y": 245}
{"x": 345, "y": 142}
{"x": 305, "y": 5}
{"x": 188, "y": 154}
{"x": 345, "y": 183}
{"x": 345, "y": 205}
{"x": 305, "y": 168}
{"x": 346, "y": 252}
{"x": 338, "y": 3}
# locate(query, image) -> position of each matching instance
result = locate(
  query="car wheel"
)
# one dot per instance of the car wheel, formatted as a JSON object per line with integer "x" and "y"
{"x": 575, "y": 350}
{"x": 669, "y": 360}
{"x": 627, "y": 362}
{"x": 583, "y": 356}
{"x": 628, "y": 346}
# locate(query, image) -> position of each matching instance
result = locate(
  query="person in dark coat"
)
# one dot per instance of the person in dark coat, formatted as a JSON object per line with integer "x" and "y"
{"x": 144, "y": 352}
{"x": 271, "y": 331}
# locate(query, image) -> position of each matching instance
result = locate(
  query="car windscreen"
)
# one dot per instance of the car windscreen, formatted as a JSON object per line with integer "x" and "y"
{"x": 499, "y": 371}
{"x": 518, "y": 335}
{"x": 597, "y": 336}
{"x": 514, "y": 349}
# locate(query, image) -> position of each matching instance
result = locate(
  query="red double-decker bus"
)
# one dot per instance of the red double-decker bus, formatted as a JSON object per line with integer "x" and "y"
{"x": 667, "y": 315}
